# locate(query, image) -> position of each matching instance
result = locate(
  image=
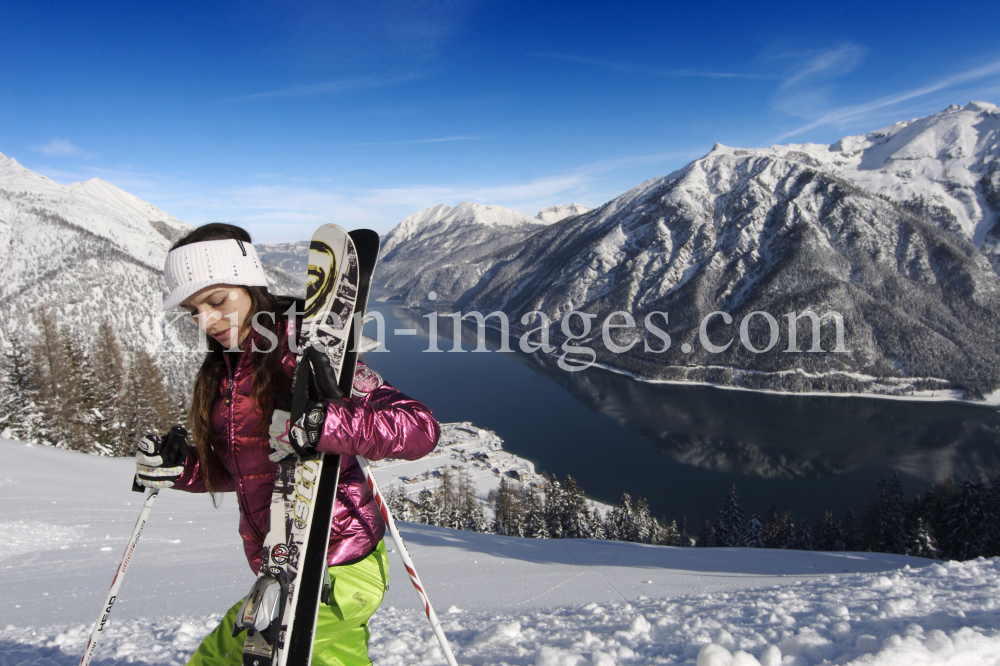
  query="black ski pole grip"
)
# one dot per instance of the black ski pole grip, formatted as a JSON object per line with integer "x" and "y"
{"x": 136, "y": 486}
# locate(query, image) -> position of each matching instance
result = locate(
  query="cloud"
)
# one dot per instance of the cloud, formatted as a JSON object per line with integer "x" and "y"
{"x": 327, "y": 87}
{"x": 444, "y": 139}
{"x": 61, "y": 148}
{"x": 859, "y": 112}
{"x": 637, "y": 68}
{"x": 829, "y": 64}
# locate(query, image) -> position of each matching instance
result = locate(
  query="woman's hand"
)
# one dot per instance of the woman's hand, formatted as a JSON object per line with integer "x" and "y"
{"x": 159, "y": 461}
{"x": 300, "y": 438}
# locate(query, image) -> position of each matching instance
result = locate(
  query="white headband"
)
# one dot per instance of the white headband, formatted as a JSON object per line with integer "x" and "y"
{"x": 191, "y": 268}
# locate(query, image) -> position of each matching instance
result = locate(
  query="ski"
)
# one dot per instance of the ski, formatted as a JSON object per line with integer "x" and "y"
{"x": 280, "y": 611}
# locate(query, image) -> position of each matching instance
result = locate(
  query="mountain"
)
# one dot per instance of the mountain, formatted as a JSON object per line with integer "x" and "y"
{"x": 438, "y": 248}
{"x": 945, "y": 166}
{"x": 888, "y": 229}
{"x": 91, "y": 250}
{"x": 560, "y": 212}
{"x": 293, "y": 258}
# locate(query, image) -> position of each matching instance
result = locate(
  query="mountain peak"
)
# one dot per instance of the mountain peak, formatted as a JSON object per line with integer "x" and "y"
{"x": 559, "y": 212}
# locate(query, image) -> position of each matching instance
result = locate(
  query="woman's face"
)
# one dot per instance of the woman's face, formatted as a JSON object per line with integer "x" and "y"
{"x": 221, "y": 311}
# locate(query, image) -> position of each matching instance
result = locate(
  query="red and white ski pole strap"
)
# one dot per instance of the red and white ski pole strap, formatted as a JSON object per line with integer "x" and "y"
{"x": 102, "y": 619}
{"x": 407, "y": 562}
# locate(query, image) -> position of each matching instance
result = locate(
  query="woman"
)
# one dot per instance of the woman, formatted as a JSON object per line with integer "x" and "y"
{"x": 215, "y": 274}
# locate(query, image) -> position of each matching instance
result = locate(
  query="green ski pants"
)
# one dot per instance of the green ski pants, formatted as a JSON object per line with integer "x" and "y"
{"x": 341, "y": 628}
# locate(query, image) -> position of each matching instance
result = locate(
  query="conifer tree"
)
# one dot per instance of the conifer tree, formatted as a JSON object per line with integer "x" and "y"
{"x": 829, "y": 533}
{"x": 645, "y": 530}
{"x": 534, "y": 514}
{"x": 555, "y": 508}
{"x": 427, "y": 508}
{"x": 507, "y": 511}
{"x": 671, "y": 535}
{"x": 772, "y": 527}
{"x": 620, "y": 524}
{"x": 885, "y": 526}
{"x": 16, "y": 407}
{"x": 597, "y": 525}
{"x": 922, "y": 541}
{"x": 575, "y": 514}
{"x": 706, "y": 538}
{"x": 805, "y": 540}
{"x": 753, "y": 535}
{"x": 788, "y": 536}
{"x": 108, "y": 361}
{"x": 684, "y": 534}
{"x": 729, "y": 531}
{"x": 965, "y": 522}
{"x": 852, "y": 534}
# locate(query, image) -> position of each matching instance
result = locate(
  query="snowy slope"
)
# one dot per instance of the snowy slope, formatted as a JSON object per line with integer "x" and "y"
{"x": 503, "y": 600}
{"x": 947, "y": 164}
{"x": 431, "y": 250}
{"x": 91, "y": 250}
{"x": 560, "y": 212}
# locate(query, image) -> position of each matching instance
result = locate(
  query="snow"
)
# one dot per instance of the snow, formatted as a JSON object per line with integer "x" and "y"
{"x": 560, "y": 212}
{"x": 446, "y": 220}
{"x": 502, "y": 600}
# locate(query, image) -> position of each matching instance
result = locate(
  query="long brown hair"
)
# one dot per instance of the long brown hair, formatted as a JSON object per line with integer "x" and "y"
{"x": 268, "y": 373}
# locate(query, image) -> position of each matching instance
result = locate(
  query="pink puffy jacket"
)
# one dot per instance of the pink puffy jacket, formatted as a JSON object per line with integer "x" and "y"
{"x": 377, "y": 422}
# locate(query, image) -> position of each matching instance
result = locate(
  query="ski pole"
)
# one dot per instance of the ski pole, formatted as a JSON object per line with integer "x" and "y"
{"x": 407, "y": 562}
{"x": 105, "y": 613}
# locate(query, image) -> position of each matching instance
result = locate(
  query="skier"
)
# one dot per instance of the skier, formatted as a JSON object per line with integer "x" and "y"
{"x": 215, "y": 274}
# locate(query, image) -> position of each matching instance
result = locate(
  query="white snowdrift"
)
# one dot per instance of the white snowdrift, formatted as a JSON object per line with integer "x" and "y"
{"x": 64, "y": 518}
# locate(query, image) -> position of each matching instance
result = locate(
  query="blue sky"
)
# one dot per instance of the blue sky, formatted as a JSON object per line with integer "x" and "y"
{"x": 284, "y": 115}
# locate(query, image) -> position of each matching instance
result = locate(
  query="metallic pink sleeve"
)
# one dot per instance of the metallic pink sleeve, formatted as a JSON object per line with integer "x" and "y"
{"x": 384, "y": 424}
{"x": 192, "y": 480}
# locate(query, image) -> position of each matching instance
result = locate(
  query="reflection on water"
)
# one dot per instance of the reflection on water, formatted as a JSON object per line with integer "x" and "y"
{"x": 807, "y": 453}
{"x": 780, "y": 435}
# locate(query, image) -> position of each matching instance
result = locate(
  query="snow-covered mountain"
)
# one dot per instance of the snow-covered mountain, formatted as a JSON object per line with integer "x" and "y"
{"x": 438, "y": 248}
{"x": 946, "y": 166}
{"x": 882, "y": 228}
{"x": 560, "y": 212}
{"x": 91, "y": 250}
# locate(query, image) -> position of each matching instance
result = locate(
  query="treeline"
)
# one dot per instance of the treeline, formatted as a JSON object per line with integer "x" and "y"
{"x": 953, "y": 520}
{"x": 959, "y": 521}
{"x": 86, "y": 394}
{"x": 553, "y": 510}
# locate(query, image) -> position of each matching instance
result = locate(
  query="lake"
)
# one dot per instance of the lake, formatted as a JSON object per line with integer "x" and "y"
{"x": 683, "y": 447}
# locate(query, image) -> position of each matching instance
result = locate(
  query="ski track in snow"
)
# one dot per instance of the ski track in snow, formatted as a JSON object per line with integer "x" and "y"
{"x": 502, "y": 600}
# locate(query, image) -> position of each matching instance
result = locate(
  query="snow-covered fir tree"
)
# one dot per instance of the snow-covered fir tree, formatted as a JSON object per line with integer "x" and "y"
{"x": 620, "y": 523}
{"x": 729, "y": 529}
{"x": 753, "y": 534}
{"x": 922, "y": 541}
{"x": 533, "y": 515}
{"x": 576, "y": 518}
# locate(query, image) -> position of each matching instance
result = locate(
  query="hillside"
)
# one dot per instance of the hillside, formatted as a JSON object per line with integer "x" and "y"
{"x": 88, "y": 251}
{"x": 502, "y": 600}
{"x": 438, "y": 248}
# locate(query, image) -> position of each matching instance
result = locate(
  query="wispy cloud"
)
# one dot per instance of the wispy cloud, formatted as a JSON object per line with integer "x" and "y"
{"x": 828, "y": 64}
{"x": 444, "y": 139}
{"x": 858, "y": 112}
{"x": 61, "y": 148}
{"x": 327, "y": 87}
{"x": 649, "y": 70}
